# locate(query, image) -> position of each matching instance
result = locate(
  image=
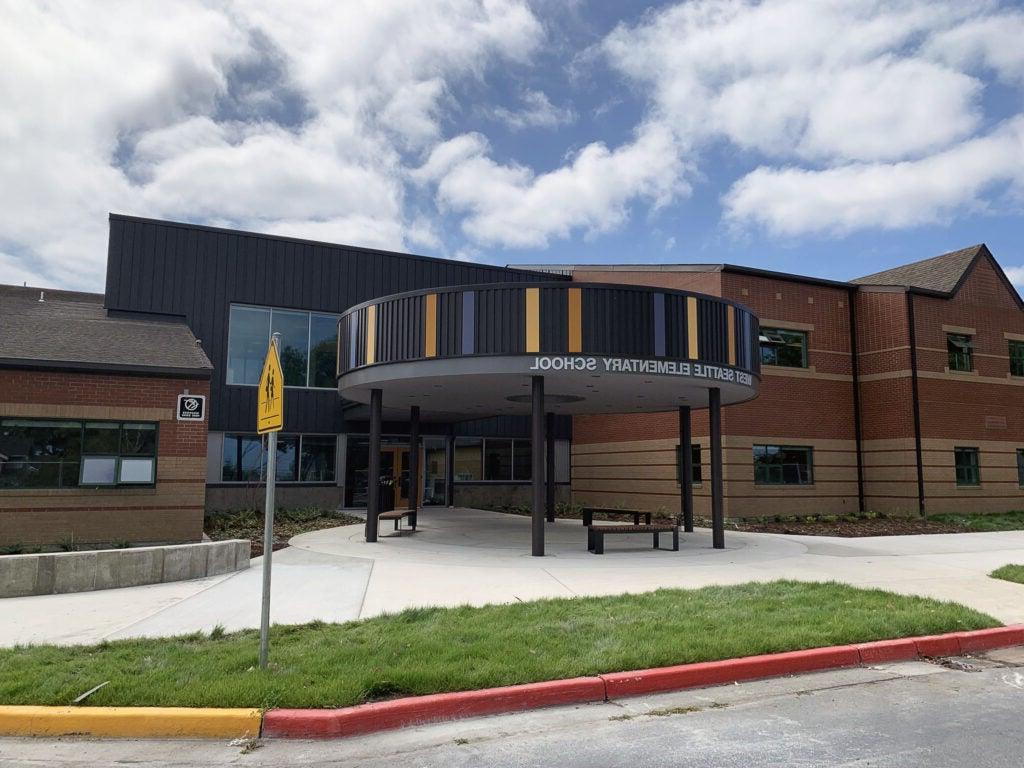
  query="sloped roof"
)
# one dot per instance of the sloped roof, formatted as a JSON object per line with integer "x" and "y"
{"x": 70, "y": 329}
{"x": 941, "y": 274}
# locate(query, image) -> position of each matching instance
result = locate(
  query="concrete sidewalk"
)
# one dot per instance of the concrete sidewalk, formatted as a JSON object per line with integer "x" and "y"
{"x": 464, "y": 556}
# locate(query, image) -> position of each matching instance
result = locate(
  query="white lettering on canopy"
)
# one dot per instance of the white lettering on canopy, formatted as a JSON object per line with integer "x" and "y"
{"x": 640, "y": 365}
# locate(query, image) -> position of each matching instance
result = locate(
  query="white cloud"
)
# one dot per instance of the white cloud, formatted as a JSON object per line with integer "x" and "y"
{"x": 1016, "y": 275}
{"x": 792, "y": 201}
{"x": 537, "y": 112}
{"x": 513, "y": 206}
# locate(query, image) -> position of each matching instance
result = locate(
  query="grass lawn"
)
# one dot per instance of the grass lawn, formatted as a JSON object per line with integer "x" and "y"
{"x": 1009, "y": 573}
{"x": 431, "y": 650}
{"x": 1003, "y": 521}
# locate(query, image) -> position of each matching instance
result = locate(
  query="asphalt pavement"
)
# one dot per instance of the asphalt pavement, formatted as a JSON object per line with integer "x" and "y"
{"x": 948, "y": 714}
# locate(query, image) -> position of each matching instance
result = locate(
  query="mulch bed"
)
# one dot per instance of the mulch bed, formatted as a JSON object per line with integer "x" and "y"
{"x": 882, "y": 526}
{"x": 284, "y": 529}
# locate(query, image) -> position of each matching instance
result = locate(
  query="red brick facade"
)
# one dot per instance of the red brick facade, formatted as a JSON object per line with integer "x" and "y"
{"x": 169, "y": 511}
{"x": 629, "y": 460}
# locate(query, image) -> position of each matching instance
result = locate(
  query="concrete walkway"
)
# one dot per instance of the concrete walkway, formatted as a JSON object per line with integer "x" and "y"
{"x": 470, "y": 556}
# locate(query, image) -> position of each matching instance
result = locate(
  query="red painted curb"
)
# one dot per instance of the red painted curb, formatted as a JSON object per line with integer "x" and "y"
{"x": 385, "y": 715}
{"x": 728, "y": 671}
{"x": 987, "y": 639}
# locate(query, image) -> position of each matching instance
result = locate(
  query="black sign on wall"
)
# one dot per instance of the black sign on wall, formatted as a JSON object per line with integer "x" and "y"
{"x": 191, "y": 407}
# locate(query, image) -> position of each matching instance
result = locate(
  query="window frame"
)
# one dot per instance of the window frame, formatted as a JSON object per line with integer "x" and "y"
{"x": 966, "y": 343}
{"x": 809, "y": 449}
{"x": 958, "y": 468}
{"x": 696, "y": 479}
{"x": 83, "y": 456}
{"x": 804, "y": 346}
{"x": 1020, "y": 467}
{"x": 1018, "y": 358}
{"x": 299, "y": 442}
{"x": 270, "y": 326}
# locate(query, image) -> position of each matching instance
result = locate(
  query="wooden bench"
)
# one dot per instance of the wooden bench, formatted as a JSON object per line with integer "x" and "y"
{"x": 596, "y": 534}
{"x": 589, "y": 512}
{"x": 398, "y": 515}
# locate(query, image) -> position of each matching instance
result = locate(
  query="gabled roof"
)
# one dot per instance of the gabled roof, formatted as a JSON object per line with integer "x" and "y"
{"x": 941, "y": 274}
{"x": 72, "y": 330}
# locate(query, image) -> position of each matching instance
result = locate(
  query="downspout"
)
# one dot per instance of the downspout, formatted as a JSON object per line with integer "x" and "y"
{"x": 855, "y": 369}
{"x": 917, "y": 403}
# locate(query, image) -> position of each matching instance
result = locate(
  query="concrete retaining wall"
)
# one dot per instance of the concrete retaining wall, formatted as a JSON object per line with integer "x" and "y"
{"x": 62, "y": 572}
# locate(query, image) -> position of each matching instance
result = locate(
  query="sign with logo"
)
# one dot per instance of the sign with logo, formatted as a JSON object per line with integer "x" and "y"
{"x": 191, "y": 407}
{"x": 641, "y": 366}
{"x": 270, "y": 405}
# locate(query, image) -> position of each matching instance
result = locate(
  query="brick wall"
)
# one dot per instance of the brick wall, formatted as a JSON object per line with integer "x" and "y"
{"x": 172, "y": 511}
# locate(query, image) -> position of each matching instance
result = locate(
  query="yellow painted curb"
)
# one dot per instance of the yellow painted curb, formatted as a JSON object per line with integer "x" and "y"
{"x": 138, "y": 722}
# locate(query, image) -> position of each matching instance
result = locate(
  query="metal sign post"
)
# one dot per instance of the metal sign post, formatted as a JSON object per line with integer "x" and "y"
{"x": 269, "y": 421}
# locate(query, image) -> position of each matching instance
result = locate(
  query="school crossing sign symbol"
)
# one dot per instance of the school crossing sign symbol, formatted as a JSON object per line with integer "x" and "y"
{"x": 270, "y": 405}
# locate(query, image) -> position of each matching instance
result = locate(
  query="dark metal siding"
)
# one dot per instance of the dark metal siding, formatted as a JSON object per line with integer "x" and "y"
{"x": 198, "y": 272}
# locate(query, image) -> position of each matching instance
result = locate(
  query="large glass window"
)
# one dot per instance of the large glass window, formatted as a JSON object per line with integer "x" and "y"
{"x": 309, "y": 344}
{"x": 1017, "y": 358}
{"x": 309, "y": 458}
{"x": 782, "y": 347}
{"x": 694, "y": 460}
{"x": 783, "y": 465}
{"x": 38, "y": 453}
{"x": 497, "y": 459}
{"x": 959, "y": 348}
{"x": 522, "y": 460}
{"x": 968, "y": 470}
{"x": 468, "y": 459}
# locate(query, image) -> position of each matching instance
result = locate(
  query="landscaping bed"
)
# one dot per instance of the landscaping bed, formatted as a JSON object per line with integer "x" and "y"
{"x": 248, "y": 524}
{"x": 876, "y": 524}
{"x": 433, "y": 650}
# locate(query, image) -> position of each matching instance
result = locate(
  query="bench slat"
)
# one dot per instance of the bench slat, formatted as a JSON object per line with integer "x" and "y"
{"x": 633, "y": 528}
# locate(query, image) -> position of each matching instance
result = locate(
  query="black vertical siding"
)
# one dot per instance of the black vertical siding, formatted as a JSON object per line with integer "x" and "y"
{"x": 197, "y": 272}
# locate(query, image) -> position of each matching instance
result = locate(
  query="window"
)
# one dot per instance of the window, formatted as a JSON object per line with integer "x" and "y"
{"x": 784, "y": 348}
{"x": 469, "y": 458}
{"x": 309, "y": 344}
{"x": 40, "y": 453}
{"x": 694, "y": 461}
{"x": 1017, "y": 358}
{"x": 1020, "y": 467}
{"x": 959, "y": 347}
{"x": 783, "y": 465}
{"x": 305, "y": 458}
{"x": 968, "y": 471}
{"x": 522, "y": 460}
{"x": 497, "y": 459}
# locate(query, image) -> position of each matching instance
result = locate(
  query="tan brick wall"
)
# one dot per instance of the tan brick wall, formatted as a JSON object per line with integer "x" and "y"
{"x": 171, "y": 511}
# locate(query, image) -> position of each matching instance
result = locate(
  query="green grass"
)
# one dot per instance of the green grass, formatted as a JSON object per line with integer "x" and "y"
{"x": 1001, "y": 521}
{"x": 431, "y": 650}
{"x": 1009, "y": 573}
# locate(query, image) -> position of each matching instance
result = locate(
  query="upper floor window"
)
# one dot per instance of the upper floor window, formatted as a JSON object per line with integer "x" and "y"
{"x": 959, "y": 346}
{"x": 1017, "y": 358}
{"x": 783, "y": 465}
{"x": 309, "y": 344}
{"x": 782, "y": 347}
{"x": 968, "y": 470}
{"x": 43, "y": 453}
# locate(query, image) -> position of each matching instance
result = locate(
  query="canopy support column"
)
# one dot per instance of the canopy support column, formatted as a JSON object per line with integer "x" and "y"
{"x": 449, "y": 470}
{"x": 414, "y": 464}
{"x": 373, "y": 474}
{"x": 686, "y": 467}
{"x": 717, "y": 510}
{"x": 549, "y": 468}
{"x": 537, "y": 451}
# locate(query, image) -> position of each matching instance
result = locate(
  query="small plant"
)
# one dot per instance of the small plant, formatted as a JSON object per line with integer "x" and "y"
{"x": 120, "y": 544}
{"x": 217, "y": 632}
{"x": 12, "y": 549}
{"x": 67, "y": 544}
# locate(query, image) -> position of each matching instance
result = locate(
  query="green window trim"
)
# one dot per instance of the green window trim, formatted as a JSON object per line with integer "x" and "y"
{"x": 967, "y": 467}
{"x": 77, "y": 453}
{"x": 1016, "y": 349}
{"x": 783, "y": 348}
{"x": 960, "y": 352}
{"x": 783, "y": 465}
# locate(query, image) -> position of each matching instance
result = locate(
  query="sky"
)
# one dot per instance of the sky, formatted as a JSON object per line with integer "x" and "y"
{"x": 831, "y": 138}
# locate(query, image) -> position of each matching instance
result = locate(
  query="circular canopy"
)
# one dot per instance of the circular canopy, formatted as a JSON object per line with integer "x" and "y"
{"x": 470, "y": 351}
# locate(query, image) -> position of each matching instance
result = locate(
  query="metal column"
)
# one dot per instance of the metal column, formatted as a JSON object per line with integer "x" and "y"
{"x": 373, "y": 473}
{"x": 537, "y": 449}
{"x": 449, "y": 469}
{"x": 686, "y": 464}
{"x": 717, "y": 511}
{"x": 549, "y": 469}
{"x": 414, "y": 464}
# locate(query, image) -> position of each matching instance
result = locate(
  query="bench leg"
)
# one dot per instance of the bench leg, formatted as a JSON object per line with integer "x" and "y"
{"x": 412, "y": 520}
{"x": 590, "y": 540}
{"x": 675, "y": 540}
{"x": 647, "y": 518}
{"x": 598, "y": 543}
{"x": 657, "y": 540}
{"x": 396, "y": 523}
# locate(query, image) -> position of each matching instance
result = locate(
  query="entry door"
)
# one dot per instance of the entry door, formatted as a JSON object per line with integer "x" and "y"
{"x": 394, "y": 463}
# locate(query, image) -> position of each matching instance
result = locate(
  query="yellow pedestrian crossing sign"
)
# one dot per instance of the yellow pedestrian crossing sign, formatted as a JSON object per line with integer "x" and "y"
{"x": 270, "y": 408}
